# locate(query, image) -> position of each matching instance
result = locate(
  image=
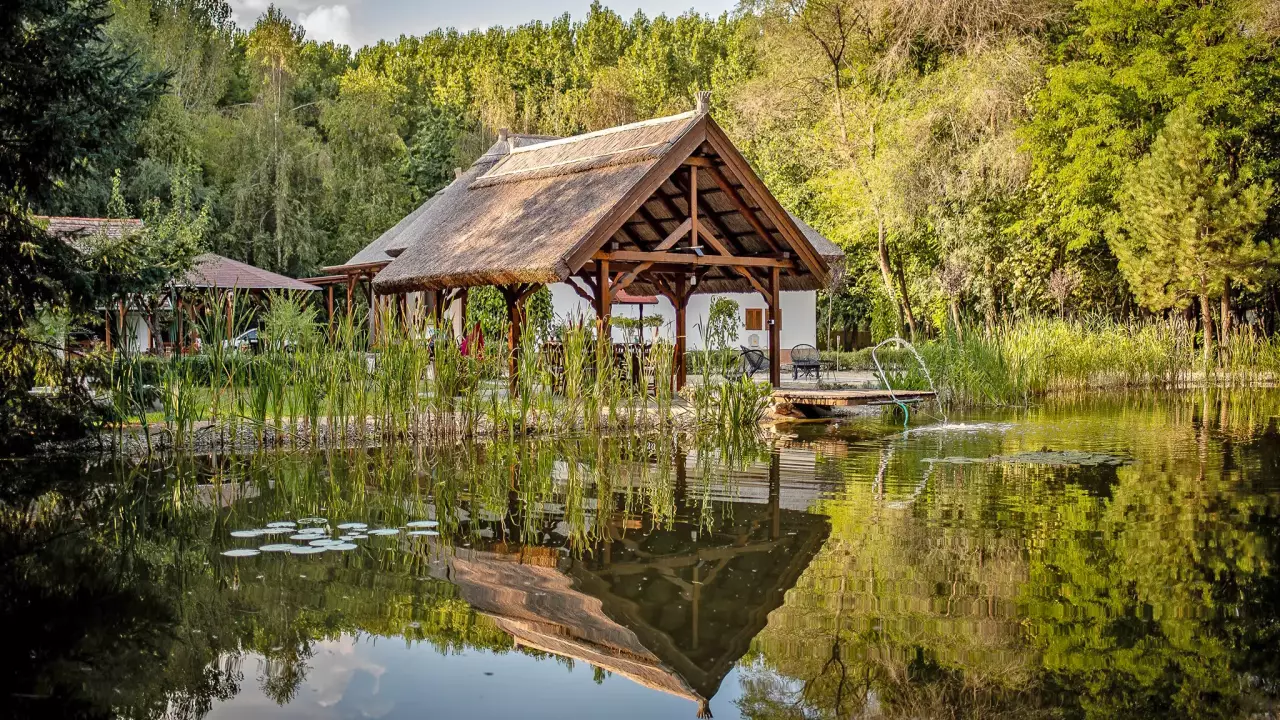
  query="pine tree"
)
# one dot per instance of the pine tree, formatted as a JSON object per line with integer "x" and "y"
{"x": 1187, "y": 224}
{"x": 66, "y": 97}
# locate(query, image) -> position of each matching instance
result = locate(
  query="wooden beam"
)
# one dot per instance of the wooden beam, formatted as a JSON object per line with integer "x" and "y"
{"x": 698, "y": 161}
{"x": 625, "y": 279}
{"x": 716, "y": 221}
{"x": 749, "y": 214}
{"x": 672, "y": 258}
{"x": 720, "y": 248}
{"x": 582, "y": 292}
{"x": 693, "y": 204}
{"x": 626, "y": 206}
{"x": 674, "y": 236}
{"x": 735, "y": 163}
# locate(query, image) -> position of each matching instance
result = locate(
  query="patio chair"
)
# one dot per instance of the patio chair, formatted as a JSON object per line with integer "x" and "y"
{"x": 753, "y": 361}
{"x": 805, "y": 362}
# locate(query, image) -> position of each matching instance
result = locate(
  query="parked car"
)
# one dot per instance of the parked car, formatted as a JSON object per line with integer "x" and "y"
{"x": 247, "y": 340}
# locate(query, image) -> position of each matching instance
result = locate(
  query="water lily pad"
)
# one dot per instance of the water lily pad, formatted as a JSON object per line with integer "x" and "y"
{"x": 352, "y": 526}
{"x": 385, "y": 531}
{"x": 278, "y": 547}
{"x": 275, "y": 531}
{"x": 312, "y": 520}
{"x": 304, "y": 550}
{"x": 342, "y": 546}
{"x": 422, "y": 533}
{"x": 282, "y": 524}
{"x": 324, "y": 542}
{"x": 240, "y": 552}
{"x": 354, "y": 537}
{"x": 245, "y": 533}
{"x": 422, "y": 524}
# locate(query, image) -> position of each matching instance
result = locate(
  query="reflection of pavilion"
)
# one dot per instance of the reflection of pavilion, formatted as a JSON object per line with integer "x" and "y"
{"x": 672, "y": 609}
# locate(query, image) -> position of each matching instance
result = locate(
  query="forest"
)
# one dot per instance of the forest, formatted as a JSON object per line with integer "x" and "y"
{"x": 980, "y": 162}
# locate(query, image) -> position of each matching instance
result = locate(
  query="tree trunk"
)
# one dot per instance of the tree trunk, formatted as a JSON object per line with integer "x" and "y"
{"x": 886, "y": 270}
{"x": 1224, "y": 327}
{"x": 955, "y": 318}
{"x": 906, "y": 302}
{"x": 1206, "y": 322}
{"x": 989, "y": 297}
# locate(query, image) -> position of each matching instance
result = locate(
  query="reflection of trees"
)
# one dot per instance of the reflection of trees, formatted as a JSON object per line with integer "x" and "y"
{"x": 1015, "y": 590}
{"x": 118, "y": 603}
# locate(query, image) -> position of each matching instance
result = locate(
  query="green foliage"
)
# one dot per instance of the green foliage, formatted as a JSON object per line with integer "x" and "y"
{"x": 1186, "y": 226}
{"x": 68, "y": 99}
{"x": 290, "y": 321}
{"x": 722, "y": 324}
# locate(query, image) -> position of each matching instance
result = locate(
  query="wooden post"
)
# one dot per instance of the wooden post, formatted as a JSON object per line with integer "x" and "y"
{"x": 351, "y": 289}
{"x": 515, "y": 328}
{"x": 435, "y": 299}
{"x": 604, "y": 297}
{"x": 329, "y": 306}
{"x": 775, "y": 328}
{"x": 106, "y": 317}
{"x": 373, "y": 316}
{"x": 181, "y": 340}
{"x": 461, "y": 300}
{"x": 682, "y": 302}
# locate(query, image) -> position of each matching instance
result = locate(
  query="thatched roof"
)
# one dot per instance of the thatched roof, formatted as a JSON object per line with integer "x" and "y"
{"x": 535, "y": 210}
{"x": 215, "y": 271}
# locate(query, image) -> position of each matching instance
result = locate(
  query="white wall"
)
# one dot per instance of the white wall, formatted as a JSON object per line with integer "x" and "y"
{"x": 135, "y": 331}
{"x": 799, "y": 316}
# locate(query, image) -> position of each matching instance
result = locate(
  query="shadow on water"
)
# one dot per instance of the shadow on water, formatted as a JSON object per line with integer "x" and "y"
{"x": 1091, "y": 557}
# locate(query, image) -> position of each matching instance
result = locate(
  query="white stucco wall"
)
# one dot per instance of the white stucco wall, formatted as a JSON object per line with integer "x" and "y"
{"x": 136, "y": 330}
{"x": 799, "y": 316}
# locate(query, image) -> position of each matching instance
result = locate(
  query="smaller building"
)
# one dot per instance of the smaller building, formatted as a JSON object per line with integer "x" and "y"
{"x": 210, "y": 272}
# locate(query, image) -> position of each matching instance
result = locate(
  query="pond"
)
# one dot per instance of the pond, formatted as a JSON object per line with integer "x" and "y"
{"x": 1096, "y": 556}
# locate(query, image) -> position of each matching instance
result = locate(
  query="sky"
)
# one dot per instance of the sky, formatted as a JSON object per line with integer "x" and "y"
{"x": 364, "y": 22}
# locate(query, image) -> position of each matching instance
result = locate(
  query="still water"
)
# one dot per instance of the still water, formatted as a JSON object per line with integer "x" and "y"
{"x": 1102, "y": 556}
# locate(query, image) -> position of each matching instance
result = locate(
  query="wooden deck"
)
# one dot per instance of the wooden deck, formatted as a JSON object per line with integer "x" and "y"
{"x": 846, "y": 398}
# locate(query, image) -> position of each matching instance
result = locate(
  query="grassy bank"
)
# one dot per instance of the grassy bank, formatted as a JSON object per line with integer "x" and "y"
{"x": 1020, "y": 361}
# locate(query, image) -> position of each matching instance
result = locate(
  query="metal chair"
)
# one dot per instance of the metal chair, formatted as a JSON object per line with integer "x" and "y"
{"x": 805, "y": 362}
{"x": 753, "y": 361}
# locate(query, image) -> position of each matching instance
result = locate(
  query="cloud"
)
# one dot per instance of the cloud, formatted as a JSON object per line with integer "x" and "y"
{"x": 328, "y": 22}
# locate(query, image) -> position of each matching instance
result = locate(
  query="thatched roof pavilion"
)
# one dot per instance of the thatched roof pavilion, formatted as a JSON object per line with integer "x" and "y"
{"x": 665, "y": 206}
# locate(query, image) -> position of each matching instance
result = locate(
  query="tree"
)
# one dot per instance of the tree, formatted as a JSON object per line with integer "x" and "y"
{"x": 1187, "y": 225}
{"x": 66, "y": 97}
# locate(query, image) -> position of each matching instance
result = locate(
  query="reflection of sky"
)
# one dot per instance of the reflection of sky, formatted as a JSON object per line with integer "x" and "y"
{"x": 354, "y": 678}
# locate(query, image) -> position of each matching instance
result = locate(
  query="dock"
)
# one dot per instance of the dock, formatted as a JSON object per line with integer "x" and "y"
{"x": 816, "y": 403}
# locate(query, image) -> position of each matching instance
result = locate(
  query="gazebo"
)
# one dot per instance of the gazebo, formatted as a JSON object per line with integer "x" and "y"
{"x": 211, "y": 272}
{"x": 666, "y": 206}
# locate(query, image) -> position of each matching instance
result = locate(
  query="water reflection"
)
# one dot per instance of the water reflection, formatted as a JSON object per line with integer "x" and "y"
{"x": 1092, "y": 557}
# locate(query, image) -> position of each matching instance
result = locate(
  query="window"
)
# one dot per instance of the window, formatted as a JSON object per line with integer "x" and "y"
{"x": 755, "y": 319}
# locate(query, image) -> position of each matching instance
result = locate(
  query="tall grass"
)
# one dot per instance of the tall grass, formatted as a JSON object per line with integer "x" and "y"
{"x": 1020, "y": 361}
{"x": 306, "y": 386}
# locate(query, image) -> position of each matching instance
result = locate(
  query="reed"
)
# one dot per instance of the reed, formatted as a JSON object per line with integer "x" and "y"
{"x": 1020, "y": 361}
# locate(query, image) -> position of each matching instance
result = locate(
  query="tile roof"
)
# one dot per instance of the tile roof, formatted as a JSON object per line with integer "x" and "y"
{"x": 215, "y": 271}
{"x": 75, "y": 229}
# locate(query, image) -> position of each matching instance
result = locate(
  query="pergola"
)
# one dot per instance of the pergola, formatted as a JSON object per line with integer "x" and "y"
{"x": 666, "y": 206}
{"x": 215, "y": 272}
